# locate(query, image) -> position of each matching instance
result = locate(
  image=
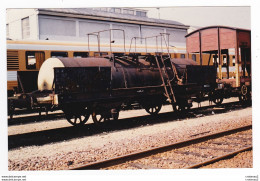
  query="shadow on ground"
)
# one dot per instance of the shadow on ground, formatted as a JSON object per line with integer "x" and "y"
{"x": 68, "y": 133}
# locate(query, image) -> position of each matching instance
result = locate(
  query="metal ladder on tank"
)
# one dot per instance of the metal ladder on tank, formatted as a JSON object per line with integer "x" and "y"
{"x": 169, "y": 93}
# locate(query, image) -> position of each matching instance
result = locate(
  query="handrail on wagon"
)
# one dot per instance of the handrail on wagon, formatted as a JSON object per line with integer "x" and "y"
{"x": 163, "y": 36}
{"x": 97, "y": 34}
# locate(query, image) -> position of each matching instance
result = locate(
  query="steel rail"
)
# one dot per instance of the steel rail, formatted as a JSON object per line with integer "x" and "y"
{"x": 36, "y": 111}
{"x": 137, "y": 155}
{"x": 207, "y": 162}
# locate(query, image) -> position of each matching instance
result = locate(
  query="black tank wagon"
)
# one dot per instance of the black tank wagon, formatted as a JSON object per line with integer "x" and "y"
{"x": 103, "y": 86}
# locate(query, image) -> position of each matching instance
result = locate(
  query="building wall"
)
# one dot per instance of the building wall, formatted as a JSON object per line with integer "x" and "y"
{"x": 18, "y": 14}
{"x": 72, "y": 29}
{"x": 44, "y": 27}
{"x": 177, "y": 37}
{"x": 56, "y": 28}
{"x": 15, "y": 30}
{"x": 14, "y": 20}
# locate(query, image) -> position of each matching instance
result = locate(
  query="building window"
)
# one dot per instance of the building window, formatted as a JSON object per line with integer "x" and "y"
{"x": 96, "y": 9}
{"x": 128, "y": 11}
{"x": 141, "y": 13}
{"x": 194, "y": 57}
{"x": 131, "y": 12}
{"x": 7, "y": 31}
{"x": 117, "y": 10}
{"x": 25, "y": 28}
{"x": 59, "y": 54}
{"x": 138, "y": 13}
{"x": 57, "y": 27}
{"x": 80, "y": 54}
{"x": 182, "y": 55}
{"x": 103, "y": 9}
{"x": 112, "y": 10}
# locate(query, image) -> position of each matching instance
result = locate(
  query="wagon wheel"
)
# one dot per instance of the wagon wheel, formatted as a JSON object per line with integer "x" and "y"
{"x": 77, "y": 120}
{"x": 11, "y": 109}
{"x": 153, "y": 110}
{"x": 244, "y": 90}
{"x": 216, "y": 97}
{"x": 77, "y": 117}
{"x": 245, "y": 96}
{"x": 245, "y": 99}
{"x": 114, "y": 114}
{"x": 218, "y": 101}
{"x": 99, "y": 117}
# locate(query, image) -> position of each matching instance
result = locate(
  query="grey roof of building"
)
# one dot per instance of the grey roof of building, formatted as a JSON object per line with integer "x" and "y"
{"x": 95, "y": 13}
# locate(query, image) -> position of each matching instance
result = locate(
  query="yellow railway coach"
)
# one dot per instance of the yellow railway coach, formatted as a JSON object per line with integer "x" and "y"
{"x": 24, "y": 58}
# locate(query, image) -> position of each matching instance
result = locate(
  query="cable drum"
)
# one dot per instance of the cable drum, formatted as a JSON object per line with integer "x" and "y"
{"x": 46, "y": 73}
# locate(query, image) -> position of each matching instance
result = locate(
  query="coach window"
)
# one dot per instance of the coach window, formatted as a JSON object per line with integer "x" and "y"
{"x": 182, "y": 55}
{"x": 59, "y": 54}
{"x": 194, "y": 57}
{"x": 100, "y": 54}
{"x": 80, "y": 54}
{"x": 34, "y": 59}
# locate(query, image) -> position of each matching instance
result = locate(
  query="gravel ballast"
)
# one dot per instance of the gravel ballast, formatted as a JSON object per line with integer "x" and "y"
{"x": 72, "y": 153}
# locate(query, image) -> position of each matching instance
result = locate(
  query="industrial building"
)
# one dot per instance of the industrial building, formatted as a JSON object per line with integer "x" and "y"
{"x": 73, "y": 24}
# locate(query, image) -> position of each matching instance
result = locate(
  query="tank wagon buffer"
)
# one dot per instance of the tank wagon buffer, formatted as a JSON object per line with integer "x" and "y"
{"x": 102, "y": 86}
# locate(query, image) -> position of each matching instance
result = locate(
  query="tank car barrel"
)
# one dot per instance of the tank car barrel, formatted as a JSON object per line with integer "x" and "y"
{"x": 99, "y": 85}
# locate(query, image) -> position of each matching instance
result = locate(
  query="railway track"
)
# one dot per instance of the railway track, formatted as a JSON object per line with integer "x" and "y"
{"x": 192, "y": 153}
{"x": 34, "y": 117}
{"x": 43, "y": 137}
{"x": 28, "y": 117}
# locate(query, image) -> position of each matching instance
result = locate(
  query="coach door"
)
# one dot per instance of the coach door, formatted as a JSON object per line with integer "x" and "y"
{"x": 40, "y": 57}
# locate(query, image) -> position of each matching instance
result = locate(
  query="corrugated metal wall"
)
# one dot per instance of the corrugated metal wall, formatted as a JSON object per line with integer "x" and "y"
{"x": 69, "y": 29}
